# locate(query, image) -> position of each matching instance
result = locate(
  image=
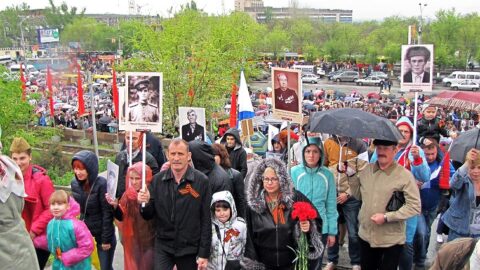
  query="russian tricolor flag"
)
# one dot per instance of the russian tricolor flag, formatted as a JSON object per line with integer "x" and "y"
{"x": 245, "y": 108}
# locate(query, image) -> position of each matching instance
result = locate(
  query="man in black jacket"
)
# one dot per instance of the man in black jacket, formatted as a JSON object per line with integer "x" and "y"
{"x": 122, "y": 160}
{"x": 238, "y": 156}
{"x": 179, "y": 200}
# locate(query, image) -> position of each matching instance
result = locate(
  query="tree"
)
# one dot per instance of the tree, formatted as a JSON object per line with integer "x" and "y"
{"x": 60, "y": 16}
{"x": 92, "y": 35}
{"x": 13, "y": 111}
{"x": 200, "y": 57}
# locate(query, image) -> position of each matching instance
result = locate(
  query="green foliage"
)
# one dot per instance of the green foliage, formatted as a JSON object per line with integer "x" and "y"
{"x": 197, "y": 52}
{"x": 91, "y": 34}
{"x": 61, "y": 16}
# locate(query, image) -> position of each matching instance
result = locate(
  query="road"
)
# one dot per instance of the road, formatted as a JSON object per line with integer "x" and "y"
{"x": 344, "y": 87}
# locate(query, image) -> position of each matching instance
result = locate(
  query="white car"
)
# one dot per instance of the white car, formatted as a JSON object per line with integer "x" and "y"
{"x": 310, "y": 78}
{"x": 465, "y": 85}
{"x": 370, "y": 80}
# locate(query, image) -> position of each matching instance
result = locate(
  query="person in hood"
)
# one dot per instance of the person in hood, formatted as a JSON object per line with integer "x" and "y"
{"x": 138, "y": 235}
{"x": 68, "y": 239}
{"x": 203, "y": 159}
{"x": 222, "y": 159}
{"x": 238, "y": 156}
{"x": 88, "y": 189}
{"x": 316, "y": 182}
{"x": 38, "y": 187}
{"x": 271, "y": 230}
{"x": 229, "y": 233}
{"x": 278, "y": 149}
{"x": 122, "y": 159}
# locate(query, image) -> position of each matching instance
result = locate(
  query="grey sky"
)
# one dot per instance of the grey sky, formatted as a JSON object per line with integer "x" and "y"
{"x": 362, "y": 10}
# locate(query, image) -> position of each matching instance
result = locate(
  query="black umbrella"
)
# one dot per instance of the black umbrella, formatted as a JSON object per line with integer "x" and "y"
{"x": 354, "y": 123}
{"x": 466, "y": 141}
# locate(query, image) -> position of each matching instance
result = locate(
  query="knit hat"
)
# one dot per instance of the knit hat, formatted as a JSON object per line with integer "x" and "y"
{"x": 19, "y": 145}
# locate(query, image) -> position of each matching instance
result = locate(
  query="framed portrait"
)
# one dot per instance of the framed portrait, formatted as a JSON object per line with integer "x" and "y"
{"x": 192, "y": 123}
{"x": 112, "y": 178}
{"x": 122, "y": 104}
{"x": 143, "y": 101}
{"x": 287, "y": 95}
{"x": 417, "y": 68}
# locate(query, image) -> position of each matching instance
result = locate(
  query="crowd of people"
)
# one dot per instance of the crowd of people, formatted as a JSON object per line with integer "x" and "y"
{"x": 220, "y": 206}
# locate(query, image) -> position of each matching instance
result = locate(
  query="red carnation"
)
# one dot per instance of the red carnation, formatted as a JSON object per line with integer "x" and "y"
{"x": 303, "y": 211}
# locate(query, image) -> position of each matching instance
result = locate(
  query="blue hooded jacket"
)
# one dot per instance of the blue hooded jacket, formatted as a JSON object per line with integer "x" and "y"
{"x": 318, "y": 185}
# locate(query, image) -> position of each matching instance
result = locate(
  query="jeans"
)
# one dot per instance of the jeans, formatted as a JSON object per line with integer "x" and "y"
{"x": 430, "y": 216}
{"x": 406, "y": 257}
{"x": 349, "y": 210}
{"x": 106, "y": 256}
{"x": 420, "y": 246}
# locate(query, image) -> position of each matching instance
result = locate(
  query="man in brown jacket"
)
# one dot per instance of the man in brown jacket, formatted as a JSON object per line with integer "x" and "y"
{"x": 382, "y": 233}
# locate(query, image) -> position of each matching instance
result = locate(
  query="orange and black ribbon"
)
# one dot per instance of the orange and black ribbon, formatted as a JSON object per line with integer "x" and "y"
{"x": 189, "y": 190}
{"x": 229, "y": 234}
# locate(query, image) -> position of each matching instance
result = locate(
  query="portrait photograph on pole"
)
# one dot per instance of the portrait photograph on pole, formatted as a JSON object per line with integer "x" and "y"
{"x": 287, "y": 94}
{"x": 122, "y": 107}
{"x": 143, "y": 101}
{"x": 417, "y": 68}
{"x": 192, "y": 123}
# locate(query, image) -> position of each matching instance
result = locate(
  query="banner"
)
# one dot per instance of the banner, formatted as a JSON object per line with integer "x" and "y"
{"x": 48, "y": 35}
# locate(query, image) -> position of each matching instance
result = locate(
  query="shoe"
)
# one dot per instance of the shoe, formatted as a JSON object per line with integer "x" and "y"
{"x": 356, "y": 267}
{"x": 330, "y": 266}
{"x": 439, "y": 238}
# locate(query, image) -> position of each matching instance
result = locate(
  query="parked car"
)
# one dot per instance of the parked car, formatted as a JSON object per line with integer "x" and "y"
{"x": 310, "y": 78}
{"x": 370, "y": 80}
{"x": 333, "y": 73}
{"x": 465, "y": 85}
{"x": 460, "y": 76}
{"x": 346, "y": 76}
{"x": 379, "y": 74}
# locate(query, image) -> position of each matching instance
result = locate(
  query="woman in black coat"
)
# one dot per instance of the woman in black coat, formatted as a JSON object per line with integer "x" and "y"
{"x": 89, "y": 189}
{"x": 271, "y": 231}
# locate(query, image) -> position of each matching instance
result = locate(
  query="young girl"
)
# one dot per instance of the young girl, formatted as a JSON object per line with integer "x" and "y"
{"x": 138, "y": 234}
{"x": 68, "y": 239}
{"x": 229, "y": 233}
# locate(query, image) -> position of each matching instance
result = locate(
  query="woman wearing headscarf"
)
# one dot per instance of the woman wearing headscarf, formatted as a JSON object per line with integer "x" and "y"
{"x": 271, "y": 230}
{"x": 463, "y": 215}
{"x": 137, "y": 233}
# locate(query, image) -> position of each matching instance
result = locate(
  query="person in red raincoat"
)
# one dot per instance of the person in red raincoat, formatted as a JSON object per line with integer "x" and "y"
{"x": 137, "y": 233}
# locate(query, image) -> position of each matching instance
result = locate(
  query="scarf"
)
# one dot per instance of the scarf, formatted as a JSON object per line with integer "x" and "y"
{"x": 276, "y": 209}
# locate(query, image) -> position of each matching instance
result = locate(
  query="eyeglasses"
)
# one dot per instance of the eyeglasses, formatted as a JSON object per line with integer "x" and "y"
{"x": 271, "y": 180}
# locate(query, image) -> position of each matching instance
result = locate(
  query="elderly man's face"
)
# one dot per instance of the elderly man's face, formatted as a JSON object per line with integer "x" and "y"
{"x": 283, "y": 81}
{"x": 418, "y": 64}
{"x": 143, "y": 93}
{"x": 192, "y": 117}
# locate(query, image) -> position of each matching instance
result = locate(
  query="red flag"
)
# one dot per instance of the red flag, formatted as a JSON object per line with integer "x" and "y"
{"x": 81, "y": 103}
{"x": 115, "y": 92}
{"x": 233, "y": 108}
{"x": 22, "y": 79}
{"x": 191, "y": 93}
{"x": 50, "y": 91}
{"x": 444, "y": 180}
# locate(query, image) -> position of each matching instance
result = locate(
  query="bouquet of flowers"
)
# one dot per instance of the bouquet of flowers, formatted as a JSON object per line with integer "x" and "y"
{"x": 302, "y": 211}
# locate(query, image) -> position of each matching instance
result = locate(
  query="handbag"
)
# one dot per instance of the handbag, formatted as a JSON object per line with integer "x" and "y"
{"x": 396, "y": 201}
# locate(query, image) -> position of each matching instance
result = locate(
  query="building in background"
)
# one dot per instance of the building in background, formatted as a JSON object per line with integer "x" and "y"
{"x": 262, "y": 14}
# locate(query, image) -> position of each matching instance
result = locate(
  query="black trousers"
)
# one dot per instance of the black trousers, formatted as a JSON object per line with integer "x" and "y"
{"x": 165, "y": 261}
{"x": 42, "y": 257}
{"x": 379, "y": 258}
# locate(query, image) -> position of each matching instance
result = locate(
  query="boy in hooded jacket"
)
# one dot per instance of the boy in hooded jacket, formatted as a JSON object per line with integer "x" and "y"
{"x": 229, "y": 233}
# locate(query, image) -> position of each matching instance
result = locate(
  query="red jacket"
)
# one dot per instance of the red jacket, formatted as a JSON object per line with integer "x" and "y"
{"x": 38, "y": 187}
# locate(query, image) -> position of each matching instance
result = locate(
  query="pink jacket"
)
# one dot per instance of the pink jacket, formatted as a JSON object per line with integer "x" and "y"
{"x": 83, "y": 246}
{"x": 38, "y": 187}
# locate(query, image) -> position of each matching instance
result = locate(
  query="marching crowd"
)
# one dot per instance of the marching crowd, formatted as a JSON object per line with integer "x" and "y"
{"x": 220, "y": 206}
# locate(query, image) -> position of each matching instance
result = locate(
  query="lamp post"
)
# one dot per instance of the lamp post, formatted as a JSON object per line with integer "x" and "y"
{"x": 23, "y": 38}
{"x": 420, "y": 27}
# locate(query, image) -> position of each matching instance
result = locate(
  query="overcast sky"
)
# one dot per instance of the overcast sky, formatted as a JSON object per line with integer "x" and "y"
{"x": 362, "y": 10}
